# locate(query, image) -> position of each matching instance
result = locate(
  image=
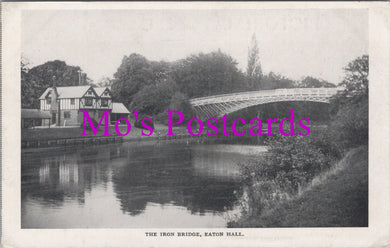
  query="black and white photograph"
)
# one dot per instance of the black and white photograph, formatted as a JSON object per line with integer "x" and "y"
{"x": 194, "y": 123}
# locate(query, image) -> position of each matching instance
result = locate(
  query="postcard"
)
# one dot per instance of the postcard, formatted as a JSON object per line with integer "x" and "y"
{"x": 195, "y": 124}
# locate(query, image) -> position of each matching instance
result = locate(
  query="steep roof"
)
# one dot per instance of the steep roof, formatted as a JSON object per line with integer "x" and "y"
{"x": 35, "y": 114}
{"x": 119, "y": 108}
{"x": 68, "y": 92}
{"x": 100, "y": 90}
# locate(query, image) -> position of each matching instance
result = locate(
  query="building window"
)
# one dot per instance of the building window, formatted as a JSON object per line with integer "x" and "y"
{"x": 72, "y": 101}
{"x": 48, "y": 100}
{"x": 104, "y": 102}
{"x": 67, "y": 115}
{"x": 88, "y": 101}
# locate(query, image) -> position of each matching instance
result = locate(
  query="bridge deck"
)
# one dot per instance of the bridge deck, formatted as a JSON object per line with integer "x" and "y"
{"x": 253, "y": 95}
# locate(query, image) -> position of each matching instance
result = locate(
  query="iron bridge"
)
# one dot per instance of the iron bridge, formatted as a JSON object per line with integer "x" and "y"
{"x": 218, "y": 105}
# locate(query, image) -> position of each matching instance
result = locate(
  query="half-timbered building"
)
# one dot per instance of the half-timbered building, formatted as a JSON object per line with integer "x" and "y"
{"x": 64, "y": 103}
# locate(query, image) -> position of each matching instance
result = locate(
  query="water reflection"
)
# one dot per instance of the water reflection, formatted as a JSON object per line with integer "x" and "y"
{"x": 129, "y": 185}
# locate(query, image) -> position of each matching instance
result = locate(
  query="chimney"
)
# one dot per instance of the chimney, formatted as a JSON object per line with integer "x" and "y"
{"x": 79, "y": 76}
{"x": 53, "y": 95}
{"x": 54, "y": 83}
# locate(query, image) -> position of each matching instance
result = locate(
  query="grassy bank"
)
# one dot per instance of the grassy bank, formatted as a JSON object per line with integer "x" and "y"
{"x": 340, "y": 198}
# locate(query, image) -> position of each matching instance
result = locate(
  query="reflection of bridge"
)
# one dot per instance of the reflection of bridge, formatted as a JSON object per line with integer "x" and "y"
{"x": 217, "y": 106}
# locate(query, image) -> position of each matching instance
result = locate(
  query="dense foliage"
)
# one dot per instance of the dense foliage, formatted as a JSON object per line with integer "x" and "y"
{"x": 34, "y": 81}
{"x": 135, "y": 73}
{"x": 350, "y": 107}
{"x": 152, "y": 87}
{"x": 208, "y": 74}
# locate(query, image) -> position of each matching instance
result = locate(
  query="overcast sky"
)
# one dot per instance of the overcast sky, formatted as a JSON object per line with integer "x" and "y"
{"x": 294, "y": 43}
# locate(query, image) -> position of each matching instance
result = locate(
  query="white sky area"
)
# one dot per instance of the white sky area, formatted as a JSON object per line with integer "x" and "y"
{"x": 294, "y": 43}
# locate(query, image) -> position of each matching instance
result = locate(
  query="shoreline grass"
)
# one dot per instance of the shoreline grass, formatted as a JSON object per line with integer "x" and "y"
{"x": 340, "y": 200}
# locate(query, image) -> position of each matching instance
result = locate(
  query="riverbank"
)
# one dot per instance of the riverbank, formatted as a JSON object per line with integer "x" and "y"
{"x": 338, "y": 198}
{"x": 43, "y": 134}
{"x": 71, "y": 137}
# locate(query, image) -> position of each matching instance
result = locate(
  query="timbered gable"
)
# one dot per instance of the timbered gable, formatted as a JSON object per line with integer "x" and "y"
{"x": 106, "y": 93}
{"x": 105, "y": 98}
{"x": 90, "y": 93}
{"x": 89, "y": 99}
{"x": 46, "y": 99}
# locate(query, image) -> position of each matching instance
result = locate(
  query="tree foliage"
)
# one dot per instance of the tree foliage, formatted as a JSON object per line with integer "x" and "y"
{"x": 356, "y": 78}
{"x": 351, "y": 105}
{"x": 208, "y": 74}
{"x": 152, "y": 86}
{"x": 276, "y": 81}
{"x": 104, "y": 82}
{"x": 153, "y": 99}
{"x": 133, "y": 74}
{"x": 63, "y": 74}
{"x": 311, "y": 82}
{"x": 34, "y": 81}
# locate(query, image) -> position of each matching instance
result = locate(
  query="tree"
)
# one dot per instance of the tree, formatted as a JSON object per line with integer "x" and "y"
{"x": 276, "y": 81}
{"x": 351, "y": 105}
{"x": 135, "y": 73}
{"x": 154, "y": 98}
{"x": 29, "y": 88}
{"x": 104, "y": 82}
{"x": 208, "y": 74}
{"x": 253, "y": 71}
{"x": 180, "y": 102}
{"x": 311, "y": 82}
{"x": 65, "y": 75}
{"x": 356, "y": 78}
{"x": 34, "y": 81}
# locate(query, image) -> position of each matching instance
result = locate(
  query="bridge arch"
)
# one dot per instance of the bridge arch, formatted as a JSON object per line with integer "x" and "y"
{"x": 218, "y": 105}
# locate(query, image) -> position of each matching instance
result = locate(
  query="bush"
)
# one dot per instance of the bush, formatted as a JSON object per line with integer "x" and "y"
{"x": 351, "y": 123}
{"x": 293, "y": 160}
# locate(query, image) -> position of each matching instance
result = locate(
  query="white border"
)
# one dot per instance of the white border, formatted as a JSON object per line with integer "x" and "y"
{"x": 376, "y": 235}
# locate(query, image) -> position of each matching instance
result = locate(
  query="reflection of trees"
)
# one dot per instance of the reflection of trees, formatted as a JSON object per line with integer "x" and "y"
{"x": 165, "y": 174}
{"x": 54, "y": 176}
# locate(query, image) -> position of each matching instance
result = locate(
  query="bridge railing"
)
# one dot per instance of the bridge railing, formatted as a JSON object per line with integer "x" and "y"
{"x": 325, "y": 92}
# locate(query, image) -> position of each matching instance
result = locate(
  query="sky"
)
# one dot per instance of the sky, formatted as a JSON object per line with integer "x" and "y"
{"x": 294, "y": 43}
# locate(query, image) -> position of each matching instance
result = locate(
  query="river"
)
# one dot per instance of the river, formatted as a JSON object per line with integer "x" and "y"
{"x": 133, "y": 185}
